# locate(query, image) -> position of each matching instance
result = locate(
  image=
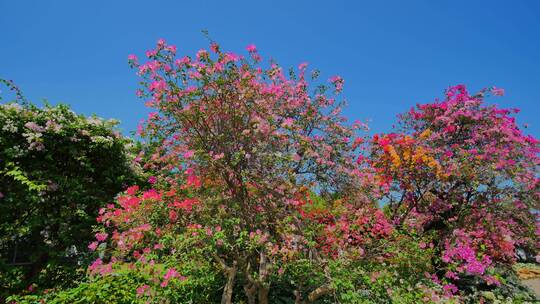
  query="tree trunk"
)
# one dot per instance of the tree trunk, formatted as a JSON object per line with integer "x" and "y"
{"x": 319, "y": 292}
{"x": 226, "y": 297}
{"x": 255, "y": 289}
{"x": 264, "y": 272}
{"x": 297, "y": 297}
{"x": 250, "y": 290}
{"x": 263, "y": 294}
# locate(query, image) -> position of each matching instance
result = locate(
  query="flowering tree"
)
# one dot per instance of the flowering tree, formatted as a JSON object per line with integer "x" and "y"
{"x": 237, "y": 150}
{"x": 56, "y": 169}
{"x": 463, "y": 173}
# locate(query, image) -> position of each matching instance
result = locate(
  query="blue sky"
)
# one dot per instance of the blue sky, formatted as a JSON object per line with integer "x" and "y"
{"x": 392, "y": 54}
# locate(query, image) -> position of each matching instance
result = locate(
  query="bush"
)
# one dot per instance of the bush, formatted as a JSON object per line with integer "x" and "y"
{"x": 57, "y": 169}
{"x": 133, "y": 285}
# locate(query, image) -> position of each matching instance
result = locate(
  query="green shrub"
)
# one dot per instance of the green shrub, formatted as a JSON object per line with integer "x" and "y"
{"x": 57, "y": 169}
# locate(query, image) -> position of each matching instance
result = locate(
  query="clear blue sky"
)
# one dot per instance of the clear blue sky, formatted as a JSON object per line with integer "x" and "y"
{"x": 392, "y": 54}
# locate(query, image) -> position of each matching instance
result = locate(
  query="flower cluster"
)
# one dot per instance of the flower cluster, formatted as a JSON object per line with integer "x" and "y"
{"x": 465, "y": 171}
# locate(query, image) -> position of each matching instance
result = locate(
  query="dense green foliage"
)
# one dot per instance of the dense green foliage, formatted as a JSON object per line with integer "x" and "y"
{"x": 57, "y": 169}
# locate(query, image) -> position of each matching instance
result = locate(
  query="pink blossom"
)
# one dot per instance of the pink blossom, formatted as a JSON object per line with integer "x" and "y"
{"x": 338, "y": 82}
{"x": 450, "y": 289}
{"x": 132, "y": 190}
{"x": 287, "y": 122}
{"x": 231, "y": 57}
{"x": 101, "y": 236}
{"x": 202, "y": 54}
{"x": 195, "y": 75}
{"x": 497, "y": 91}
{"x": 93, "y": 246}
{"x": 475, "y": 267}
{"x": 158, "y": 86}
{"x": 151, "y": 194}
{"x": 171, "y": 273}
{"x": 182, "y": 61}
{"x": 151, "y": 53}
{"x": 335, "y": 79}
{"x": 192, "y": 179}
{"x": 142, "y": 290}
{"x": 161, "y": 43}
{"x": 95, "y": 265}
{"x": 36, "y": 146}
{"x": 105, "y": 269}
{"x": 189, "y": 154}
{"x": 34, "y": 126}
{"x": 491, "y": 280}
{"x": 173, "y": 216}
{"x": 172, "y": 49}
{"x": 450, "y": 129}
{"x": 251, "y": 48}
{"x": 218, "y": 156}
{"x": 451, "y": 275}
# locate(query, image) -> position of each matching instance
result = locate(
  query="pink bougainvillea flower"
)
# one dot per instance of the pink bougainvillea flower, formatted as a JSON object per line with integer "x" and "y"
{"x": 151, "y": 53}
{"x": 159, "y": 85}
{"x": 338, "y": 82}
{"x": 218, "y": 156}
{"x": 497, "y": 91}
{"x": 171, "y": 273}
{"x": 172, "y": 49}
{"x": 101, "y": 236}
{"x": 189, "y": 154}
{"x": 106, "y": 269}
{"x": 95, "y": 265}
{"x": 93, "y": 246}
{"x": 230, "y": 57}
{"x": 450, "y": 289}
{"x": 287, "y": 122}
{"x": 151, "y": 194}
{"x": 214, "y": 47}
{"x": 202, "y": 54}
{"x": 142, "y": 290}
{"x": 173, "y": 216}
{"x": 132, "y": 190}
{"x": 161, "y": 43}
{"x": 251, "y": 48}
